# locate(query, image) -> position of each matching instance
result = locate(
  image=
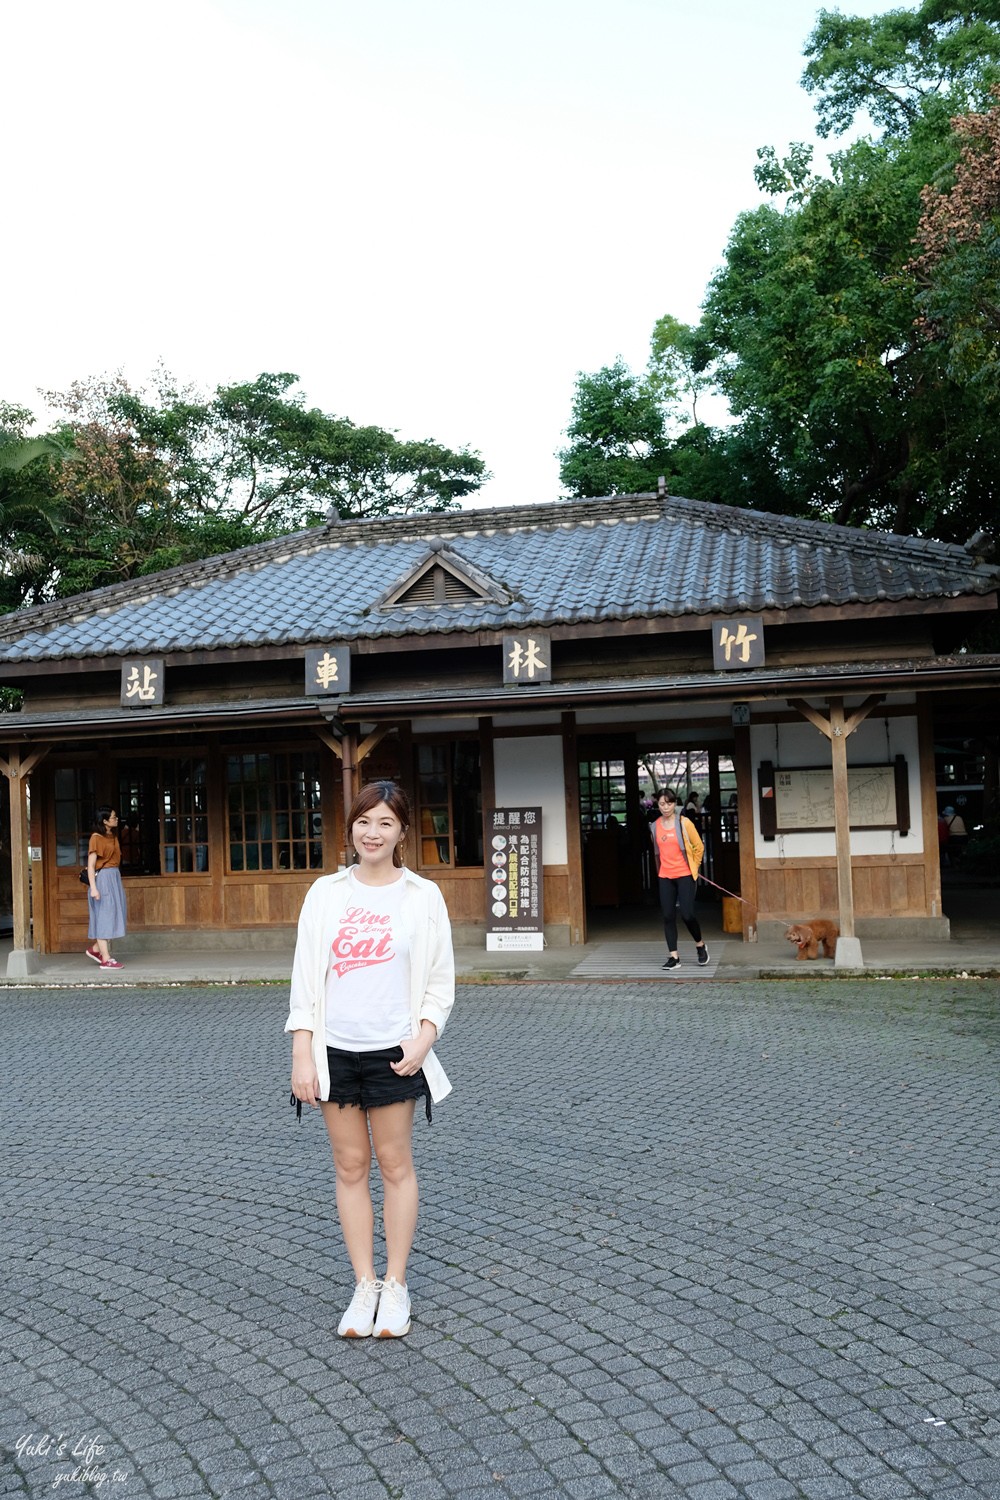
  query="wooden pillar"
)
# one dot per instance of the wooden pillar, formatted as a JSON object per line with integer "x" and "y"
{"x": 744, "y": 811}
{"x": 574, "y": 839}
{"x": 488, "y": 788}
{"x": 934, "y": 904}
{"x": 837, "y": 729}
{"x": 347, "y": 746}
{"x": 23, "y": 959}
{"x": 841, "y": 819}
{"x": 713, "y": 823}
{"x": 487, "y": 776}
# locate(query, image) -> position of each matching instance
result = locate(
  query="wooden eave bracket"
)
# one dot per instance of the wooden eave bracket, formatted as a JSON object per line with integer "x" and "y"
{"x": 375, "y": 738}
{"x": 364, "y": 749}
{"x": 331, "y": 741}
{"x": 823, "y": 725}
{"x": 16, "y": 767}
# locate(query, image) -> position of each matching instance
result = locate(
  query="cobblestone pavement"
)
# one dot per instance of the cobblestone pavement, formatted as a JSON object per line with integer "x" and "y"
{"x": 732, "y": 1241}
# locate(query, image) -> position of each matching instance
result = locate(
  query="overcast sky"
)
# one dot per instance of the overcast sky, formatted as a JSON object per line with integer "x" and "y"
{"x": 436, "y": 214}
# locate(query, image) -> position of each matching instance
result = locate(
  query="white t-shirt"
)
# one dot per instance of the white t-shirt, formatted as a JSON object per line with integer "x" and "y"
{"x": 368, "y": 980}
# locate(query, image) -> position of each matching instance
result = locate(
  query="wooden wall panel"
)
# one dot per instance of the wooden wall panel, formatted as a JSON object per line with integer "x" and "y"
{"x": 269, "y": 902}
{"x": 883, "y": 886}
{"x": 71, "y": 920}
{"x": 464, "y": 892}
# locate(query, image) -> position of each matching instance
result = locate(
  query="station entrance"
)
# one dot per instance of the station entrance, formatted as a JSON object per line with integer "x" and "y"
{"x": 621, "y": 777}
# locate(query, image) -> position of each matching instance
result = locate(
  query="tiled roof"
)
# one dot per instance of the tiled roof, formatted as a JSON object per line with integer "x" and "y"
{"x": 629, "y": 557}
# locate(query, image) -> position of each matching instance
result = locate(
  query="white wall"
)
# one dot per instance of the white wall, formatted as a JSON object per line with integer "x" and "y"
{"x": 529, "y": 773}
{"x": 804, "y": 745}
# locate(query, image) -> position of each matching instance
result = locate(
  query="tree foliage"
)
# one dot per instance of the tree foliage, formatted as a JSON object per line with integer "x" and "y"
{"x": 904, "y": 68}
{"x": 618, "y": 441}
{"x": 168, "y": 476}
{"x": 957, "y": 268}
{"x": 854, "y": 325}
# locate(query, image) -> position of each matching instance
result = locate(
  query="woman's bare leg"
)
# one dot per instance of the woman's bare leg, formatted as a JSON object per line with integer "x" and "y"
{"x": 352, "y": 1159}
{"x": 392, "y": 1137}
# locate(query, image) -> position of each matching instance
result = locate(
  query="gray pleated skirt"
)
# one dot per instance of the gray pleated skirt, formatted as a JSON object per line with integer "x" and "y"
{"x": 107, "y": 916}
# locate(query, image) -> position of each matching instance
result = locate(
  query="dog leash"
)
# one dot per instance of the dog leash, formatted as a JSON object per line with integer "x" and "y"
{"x": 722, "y": 888}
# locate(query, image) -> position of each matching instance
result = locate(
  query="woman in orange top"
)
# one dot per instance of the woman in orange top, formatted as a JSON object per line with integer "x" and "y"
{"x": 679, "y": 851}
{"x": 105, "y": 893}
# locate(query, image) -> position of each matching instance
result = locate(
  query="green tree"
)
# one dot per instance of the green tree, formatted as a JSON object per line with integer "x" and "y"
{"x": 957, "y": 268}
{"x": 618, "y": 439}
{"x": 814, "y": 319}
{"x": 29, "y": 505}
{"x": 256, "y": 451}
{"x": 679, "y": 367}
{"x": 903, "y": 68}
{"x": 167, "y": 477}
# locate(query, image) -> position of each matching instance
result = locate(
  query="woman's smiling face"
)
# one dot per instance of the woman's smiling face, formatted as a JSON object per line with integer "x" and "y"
{"x": 375, "y": 835}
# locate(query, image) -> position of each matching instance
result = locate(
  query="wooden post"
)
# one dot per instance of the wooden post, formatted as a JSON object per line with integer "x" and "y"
{"x": 347, "y": 773}
{"x": 574, "y": 845}
{"x": 23, "y": 959}
{"x": 842, "y": 824}
{"x": 933, "y": 903}
{"x": 744, "y": 810}
{"x": 837, "y": 729}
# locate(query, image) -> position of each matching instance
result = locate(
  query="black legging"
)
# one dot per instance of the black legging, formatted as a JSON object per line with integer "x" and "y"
{"x": 673, "y": 894}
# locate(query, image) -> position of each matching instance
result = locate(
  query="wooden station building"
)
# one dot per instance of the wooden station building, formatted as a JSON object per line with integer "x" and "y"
{"x": 538, "y": 656}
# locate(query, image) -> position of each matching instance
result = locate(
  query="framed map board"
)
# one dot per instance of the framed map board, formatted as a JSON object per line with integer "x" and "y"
{"x": 800, "y": 799}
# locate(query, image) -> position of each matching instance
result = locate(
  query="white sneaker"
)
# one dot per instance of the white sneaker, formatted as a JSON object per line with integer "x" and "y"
{"x": 393, "y": 1311}
{"x": 360, "y": 1316}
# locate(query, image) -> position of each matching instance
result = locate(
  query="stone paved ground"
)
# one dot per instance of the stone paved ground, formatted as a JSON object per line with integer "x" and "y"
{"x": 718, "y": 1242}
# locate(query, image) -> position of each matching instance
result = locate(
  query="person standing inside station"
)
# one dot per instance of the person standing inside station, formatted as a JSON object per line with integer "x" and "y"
{"x": 105, "y": 892}
{"x": 679, "y": 852}
{"x": 373, "y": 983}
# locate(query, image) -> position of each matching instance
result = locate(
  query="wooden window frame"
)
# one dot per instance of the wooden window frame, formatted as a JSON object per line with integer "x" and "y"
{"x": 312, "y": 839}
{"x": 427, "y": 841}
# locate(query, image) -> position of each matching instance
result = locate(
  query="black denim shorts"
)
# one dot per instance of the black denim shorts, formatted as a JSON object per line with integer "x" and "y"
{"x": 366, "y": 1079}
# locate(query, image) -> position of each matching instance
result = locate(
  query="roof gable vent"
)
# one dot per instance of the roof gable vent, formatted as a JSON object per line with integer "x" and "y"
{"x": 443, "y": 578}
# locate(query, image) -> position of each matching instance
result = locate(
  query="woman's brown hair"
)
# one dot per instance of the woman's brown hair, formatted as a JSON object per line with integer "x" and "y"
{"x": 395, "y": 800}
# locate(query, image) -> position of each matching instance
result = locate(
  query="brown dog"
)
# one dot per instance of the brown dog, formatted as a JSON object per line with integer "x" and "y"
{"x": 808, "y": 937}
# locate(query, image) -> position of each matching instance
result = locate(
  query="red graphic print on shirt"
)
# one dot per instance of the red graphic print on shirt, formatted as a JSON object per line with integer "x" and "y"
{"x": 364, "y": 939}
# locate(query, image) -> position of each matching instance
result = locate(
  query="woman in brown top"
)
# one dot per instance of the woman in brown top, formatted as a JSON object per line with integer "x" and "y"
{"x": 106, "y": 894}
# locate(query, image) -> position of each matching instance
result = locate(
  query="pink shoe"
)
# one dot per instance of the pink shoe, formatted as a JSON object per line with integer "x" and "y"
{"x": 95, "y": 954}
{"x": 111, "y": 963}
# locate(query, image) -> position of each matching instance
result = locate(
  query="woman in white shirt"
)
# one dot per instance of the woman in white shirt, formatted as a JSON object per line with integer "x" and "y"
{"x": 373, "y": 983}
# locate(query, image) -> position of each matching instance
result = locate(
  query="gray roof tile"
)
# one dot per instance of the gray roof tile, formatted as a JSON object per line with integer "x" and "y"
{"x": 612, "y": 559}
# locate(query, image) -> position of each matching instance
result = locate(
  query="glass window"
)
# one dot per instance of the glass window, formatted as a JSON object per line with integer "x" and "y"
{"x": 449, "y": 812}
{"x": 183, "y": 816}
{"x": 274, "y": 811}
{"x": 75, "y": 803}
{"x": 139, "y": 817}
